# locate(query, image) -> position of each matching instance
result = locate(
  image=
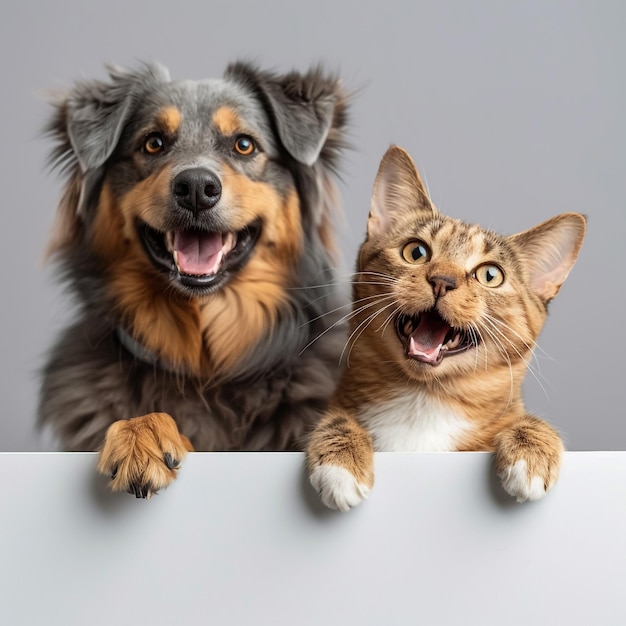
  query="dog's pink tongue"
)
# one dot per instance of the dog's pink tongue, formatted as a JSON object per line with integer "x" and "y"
{"x": 426, "y": 340}
{"x": 198, "y": 253}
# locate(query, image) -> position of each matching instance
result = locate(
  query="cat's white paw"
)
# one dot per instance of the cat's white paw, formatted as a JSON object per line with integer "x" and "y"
{"x": 518, "y": 484}
{"x": 338, "y": 487}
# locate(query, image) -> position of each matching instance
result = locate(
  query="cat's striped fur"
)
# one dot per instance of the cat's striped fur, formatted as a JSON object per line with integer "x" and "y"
{"x": 444, "y": 323}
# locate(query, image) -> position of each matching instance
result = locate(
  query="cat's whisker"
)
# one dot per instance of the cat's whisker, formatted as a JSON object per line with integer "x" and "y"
{"x": 476, "y": 340}
{"x": 368, "y": 321}
{"x": 350, "y": 282}
{"x": 344, "y": 278}
{"x": 496, "y": 337}
{"x": 363, "y": 325}
{"x": 337, "y": 277}
{"x": 504, "y": 353}
{"x": 343, "y": 306}
{"x": 391, "y": 279}
{"x": 527, "y": 363}
{"x": 486, "y": 345}
{"x": 506, "y": 328}
{"x": 345, "y": 318}
{"x": 331, "y": 292}
{"x": 533, "y": 348}
{"x": 360, "y": 329}
{"x": 383, "y": 327}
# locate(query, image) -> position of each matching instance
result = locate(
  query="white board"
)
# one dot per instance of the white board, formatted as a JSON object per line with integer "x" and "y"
{"x": 241, "y": 539}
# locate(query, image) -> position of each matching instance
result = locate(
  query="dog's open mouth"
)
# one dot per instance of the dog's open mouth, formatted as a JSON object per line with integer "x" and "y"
{"x": 427, "y": 337}
{"x": 200, "y": 260}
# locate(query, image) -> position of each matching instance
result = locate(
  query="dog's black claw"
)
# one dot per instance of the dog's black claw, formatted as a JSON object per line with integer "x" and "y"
{"x": 169, "y": 461}
{"x": 135, "y": 489}
{"x": 143, "y": 492}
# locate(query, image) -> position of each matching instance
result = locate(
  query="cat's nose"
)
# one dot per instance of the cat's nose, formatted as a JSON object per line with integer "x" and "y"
{"x": 442, "y": 284}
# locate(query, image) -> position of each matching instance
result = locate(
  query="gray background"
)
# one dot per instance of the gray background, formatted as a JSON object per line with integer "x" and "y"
{"x": 514, "y": 111}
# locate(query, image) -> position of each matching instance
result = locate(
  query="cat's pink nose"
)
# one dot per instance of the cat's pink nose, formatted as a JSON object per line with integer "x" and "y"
{"x": 442, "y": 284}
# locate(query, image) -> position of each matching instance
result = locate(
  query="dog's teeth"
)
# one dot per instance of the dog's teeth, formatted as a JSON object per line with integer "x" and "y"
{"x": 169, "y": 241}
{"x": 175, "y": 255}
{"x": 228, "y": 242}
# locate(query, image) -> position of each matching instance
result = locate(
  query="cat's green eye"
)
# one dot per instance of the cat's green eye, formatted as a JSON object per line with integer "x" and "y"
{"x": 416, "y": 252}
{"x": 489, "y": 275}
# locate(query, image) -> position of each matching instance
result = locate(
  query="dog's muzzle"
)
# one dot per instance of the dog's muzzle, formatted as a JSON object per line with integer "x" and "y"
{"x": 197, "y": 252}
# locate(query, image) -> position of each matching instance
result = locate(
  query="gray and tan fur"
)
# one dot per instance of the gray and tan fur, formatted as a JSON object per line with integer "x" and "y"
{"x": 445, "y": 319}
{"x": 195, "y": 228}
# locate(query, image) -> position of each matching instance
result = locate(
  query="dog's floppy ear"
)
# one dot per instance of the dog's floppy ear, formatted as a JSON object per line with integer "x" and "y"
{"x": 91, "y": 116}
{"x": 87, "y": 125}
{"x": 303, "y": 106}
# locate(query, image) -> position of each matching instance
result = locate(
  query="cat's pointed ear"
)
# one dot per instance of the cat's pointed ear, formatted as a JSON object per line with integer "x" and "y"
{"x": 398, "y": 187}
{"x": 549, "y": 251}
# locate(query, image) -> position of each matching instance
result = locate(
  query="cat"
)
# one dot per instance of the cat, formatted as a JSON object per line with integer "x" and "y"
{"x": 445, "y": 318}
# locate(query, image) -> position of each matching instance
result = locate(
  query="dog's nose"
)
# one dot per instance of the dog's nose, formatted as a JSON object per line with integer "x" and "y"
{"x": 197, "y": 189}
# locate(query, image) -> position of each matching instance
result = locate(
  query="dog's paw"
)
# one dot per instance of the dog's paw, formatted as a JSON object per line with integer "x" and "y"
{"x": 142, "y": 455}
{"x": 338, "y": 487}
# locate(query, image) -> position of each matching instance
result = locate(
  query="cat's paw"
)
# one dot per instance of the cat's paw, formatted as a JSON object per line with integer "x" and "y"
{"x": 522, "y": 484}
{"x": 528, "y": 458}
{"x": 338, "y": 487}
{"x": 142, "y": 455}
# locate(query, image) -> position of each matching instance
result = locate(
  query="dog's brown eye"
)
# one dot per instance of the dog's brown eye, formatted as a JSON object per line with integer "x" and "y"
{"x": 416, "y": 252}
{"x": 244, "y": 146}
{"x": 154, "y": 143}
{"x": 489, "y": 275}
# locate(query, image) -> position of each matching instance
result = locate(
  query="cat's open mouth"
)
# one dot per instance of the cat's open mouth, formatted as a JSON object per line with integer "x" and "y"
{"x": 427, "y": 337}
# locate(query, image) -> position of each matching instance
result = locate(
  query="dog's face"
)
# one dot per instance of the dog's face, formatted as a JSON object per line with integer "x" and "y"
{"x": 205, "y": 189}
{"x": 195, "y": 184}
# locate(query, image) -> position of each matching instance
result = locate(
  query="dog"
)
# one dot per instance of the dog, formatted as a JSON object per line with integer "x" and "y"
{"x": 196, "y": 230}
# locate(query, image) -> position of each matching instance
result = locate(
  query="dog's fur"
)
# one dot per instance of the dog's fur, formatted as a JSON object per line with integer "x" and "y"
{"x": 224, "y": 353}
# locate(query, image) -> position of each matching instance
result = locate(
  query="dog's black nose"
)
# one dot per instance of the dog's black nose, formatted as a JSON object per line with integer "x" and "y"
{"x": 197, "y": 189}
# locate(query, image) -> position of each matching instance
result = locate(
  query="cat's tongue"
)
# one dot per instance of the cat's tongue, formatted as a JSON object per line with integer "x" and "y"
{"x": 426, "y": 340}
{"x": 198, "y": 253}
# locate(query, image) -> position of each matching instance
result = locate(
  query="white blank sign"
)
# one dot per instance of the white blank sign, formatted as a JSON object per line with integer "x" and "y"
{"x": 242, "y": 539}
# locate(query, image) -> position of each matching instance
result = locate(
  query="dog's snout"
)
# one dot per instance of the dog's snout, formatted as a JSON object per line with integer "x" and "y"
{"x": 197, "y": 189}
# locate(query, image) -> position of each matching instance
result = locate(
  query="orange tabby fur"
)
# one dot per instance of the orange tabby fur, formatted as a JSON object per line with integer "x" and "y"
{"x": 467, "y": 289}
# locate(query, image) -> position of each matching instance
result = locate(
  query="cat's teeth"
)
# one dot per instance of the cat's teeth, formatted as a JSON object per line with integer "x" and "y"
{"x": 454, "y": 342}
{"x": 408, "y": 326}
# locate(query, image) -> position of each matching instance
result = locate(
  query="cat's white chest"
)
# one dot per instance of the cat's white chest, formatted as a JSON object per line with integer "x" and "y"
{"x": 414, "y": 422}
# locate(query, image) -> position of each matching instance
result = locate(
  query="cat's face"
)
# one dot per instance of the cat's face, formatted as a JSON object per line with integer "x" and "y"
{"x": 450, "y": 297}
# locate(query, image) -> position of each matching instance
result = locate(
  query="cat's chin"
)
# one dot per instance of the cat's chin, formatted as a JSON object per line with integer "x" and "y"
{"x": 428, "y": 338}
